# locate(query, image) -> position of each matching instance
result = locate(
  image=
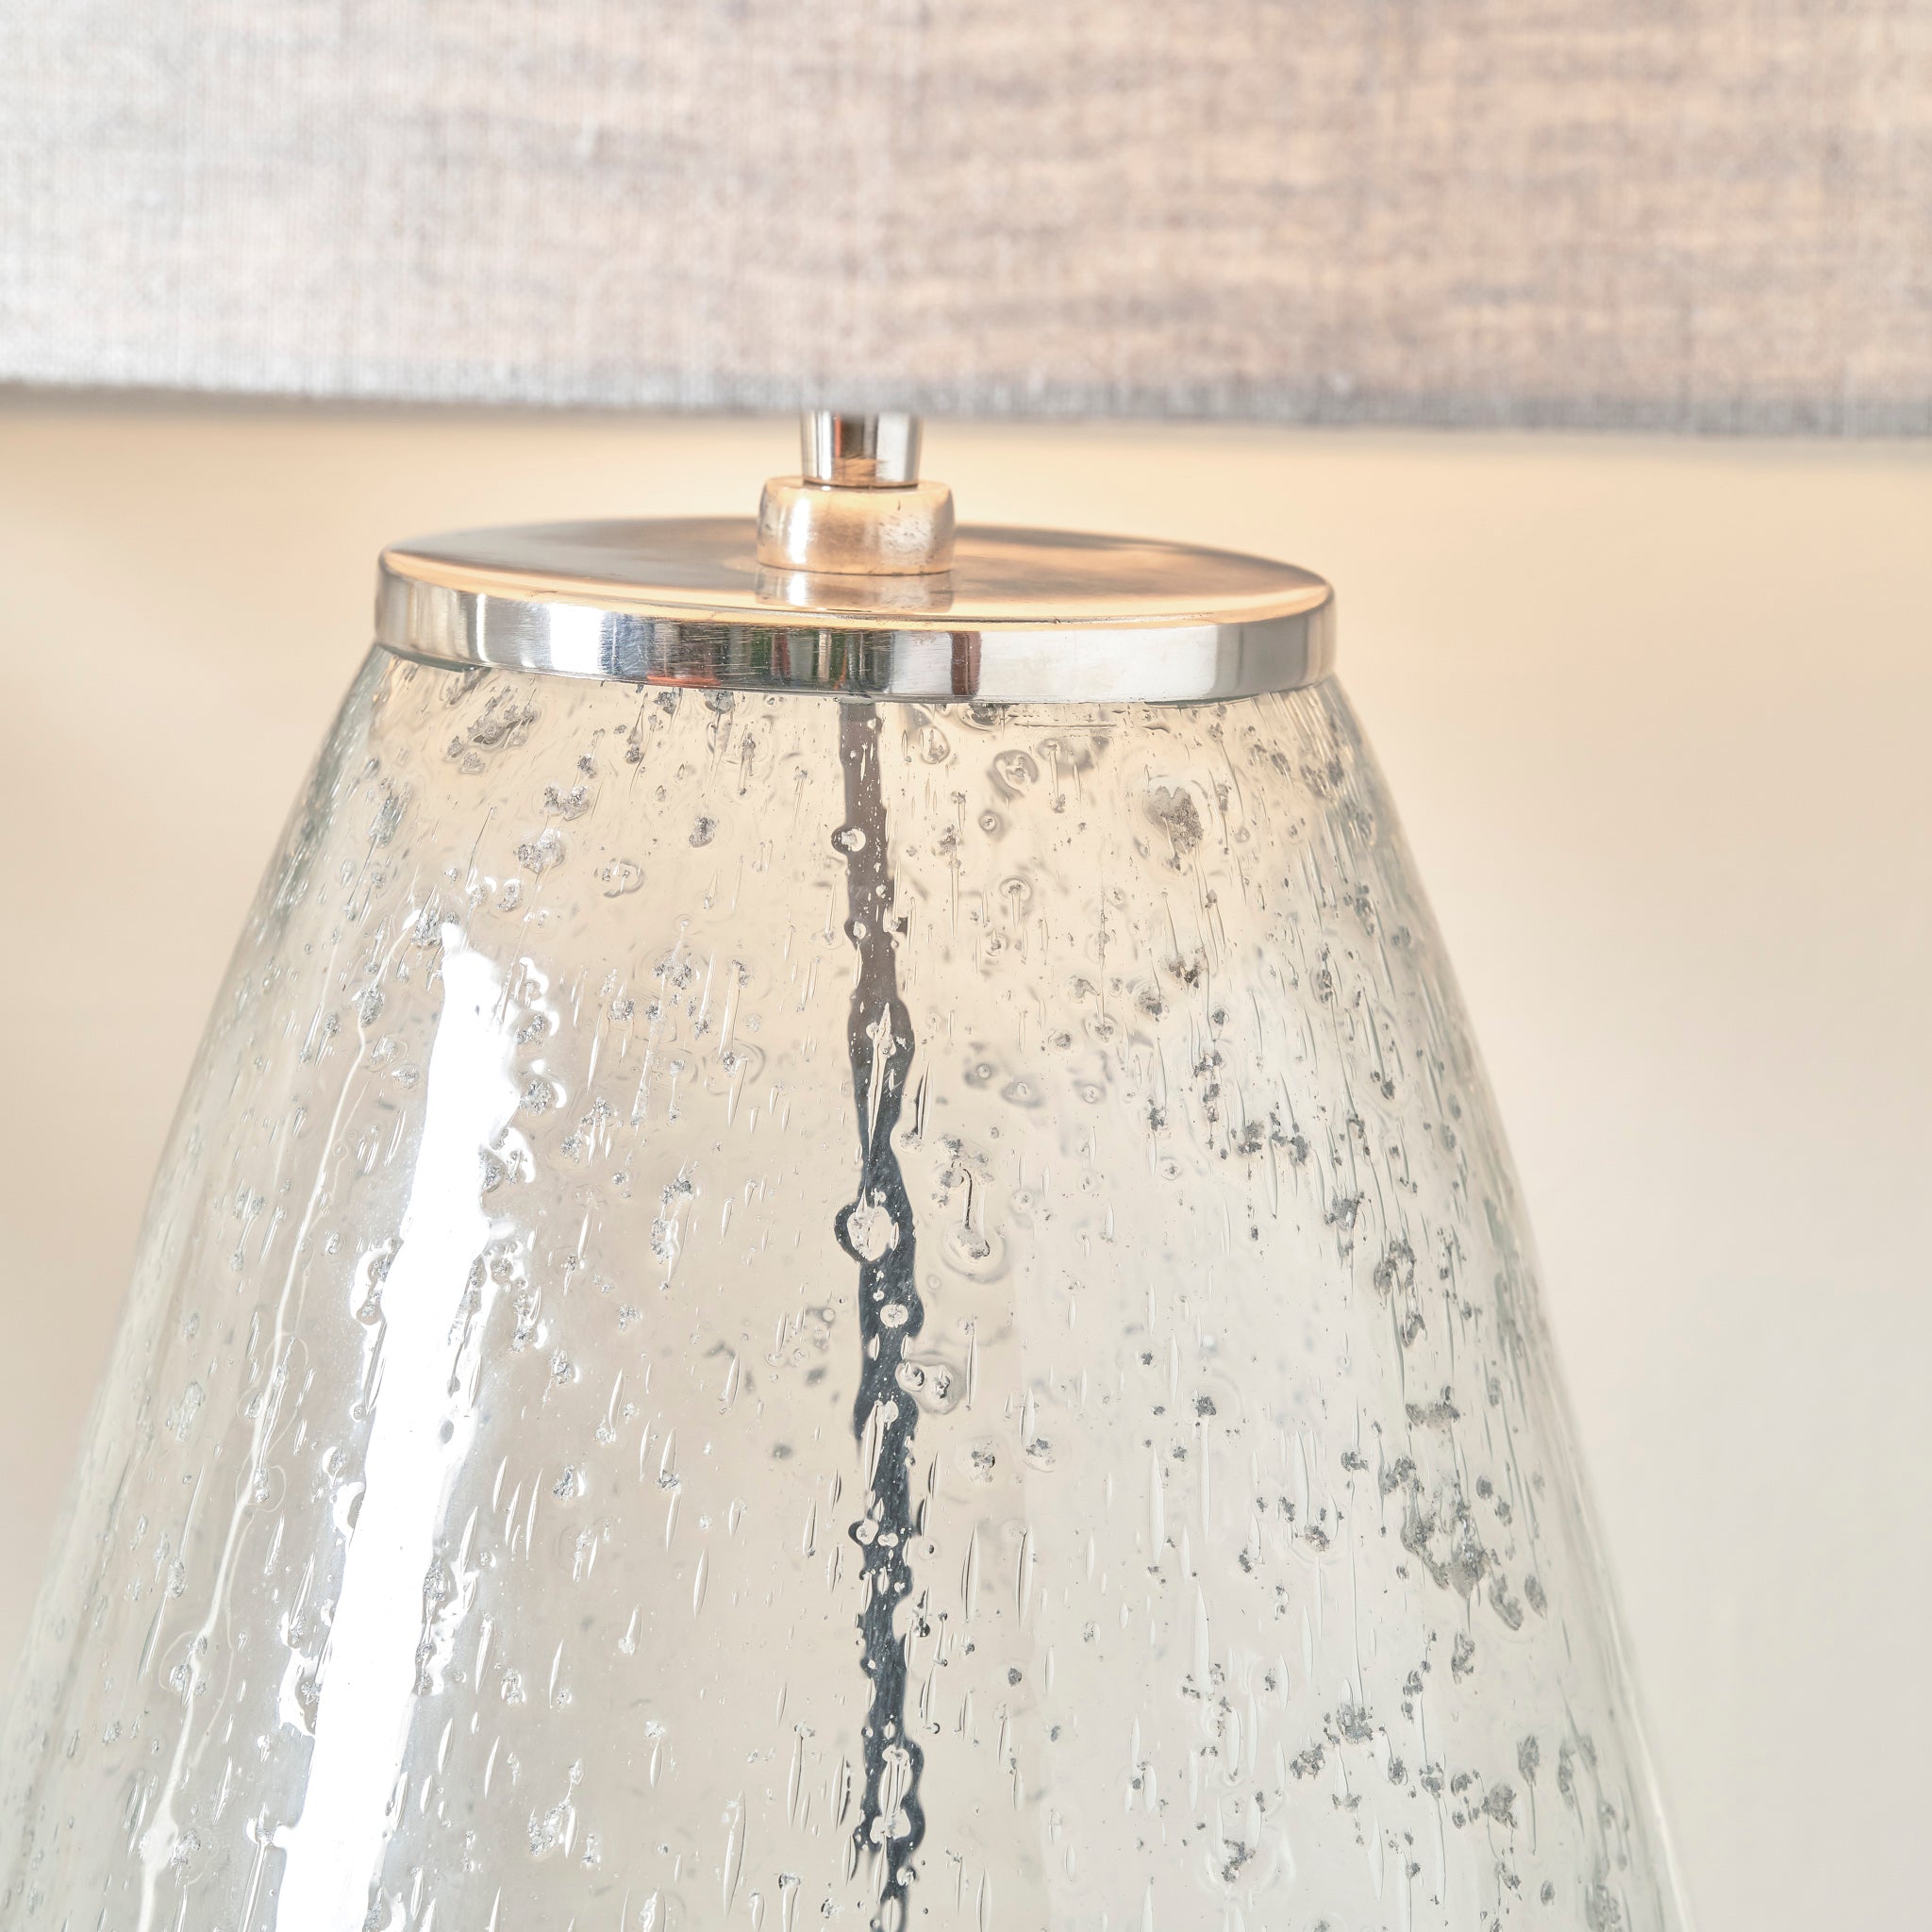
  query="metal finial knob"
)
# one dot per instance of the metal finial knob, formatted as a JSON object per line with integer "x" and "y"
{"x": 860, "y": 452}
{"x": 859, "y": 508}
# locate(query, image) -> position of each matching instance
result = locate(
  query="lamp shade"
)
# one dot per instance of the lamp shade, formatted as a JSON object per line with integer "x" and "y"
{"x": 1713, "y": 215}
{"x": 838, "y": 1256}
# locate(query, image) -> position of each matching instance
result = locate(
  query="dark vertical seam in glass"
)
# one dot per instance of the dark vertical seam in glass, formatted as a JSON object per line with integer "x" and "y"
{"x": 878, "y": 1033}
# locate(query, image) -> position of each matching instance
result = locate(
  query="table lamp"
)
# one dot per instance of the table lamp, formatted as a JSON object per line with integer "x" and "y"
{"x": 838, "y": 1254}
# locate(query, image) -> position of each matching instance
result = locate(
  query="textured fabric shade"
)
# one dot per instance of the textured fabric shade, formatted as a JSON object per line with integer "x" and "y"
{"x": 1711, "y": 215}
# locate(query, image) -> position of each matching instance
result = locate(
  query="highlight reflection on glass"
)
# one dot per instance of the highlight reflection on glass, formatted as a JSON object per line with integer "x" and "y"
{"x": 770, "y": 1310}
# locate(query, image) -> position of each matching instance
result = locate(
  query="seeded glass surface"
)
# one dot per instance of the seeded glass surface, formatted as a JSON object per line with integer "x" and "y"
{"x": 766, "y": 1311}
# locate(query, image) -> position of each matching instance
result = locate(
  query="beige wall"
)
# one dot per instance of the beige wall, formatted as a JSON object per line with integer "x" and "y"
{"x": 1659, "y": 717}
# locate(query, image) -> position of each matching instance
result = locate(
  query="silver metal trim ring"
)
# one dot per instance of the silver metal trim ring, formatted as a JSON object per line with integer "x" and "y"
{"x": 1183, "y": 659}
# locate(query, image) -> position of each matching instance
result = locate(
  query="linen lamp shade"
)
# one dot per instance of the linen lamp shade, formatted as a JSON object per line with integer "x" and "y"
{"x": 1713, "y": 215}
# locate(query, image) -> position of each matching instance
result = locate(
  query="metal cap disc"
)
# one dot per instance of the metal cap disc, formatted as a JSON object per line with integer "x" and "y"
{"x": 1024, "y": 615}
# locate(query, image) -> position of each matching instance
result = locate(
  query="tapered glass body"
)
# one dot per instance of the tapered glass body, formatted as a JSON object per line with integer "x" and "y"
{"x": 766, "y": 1310}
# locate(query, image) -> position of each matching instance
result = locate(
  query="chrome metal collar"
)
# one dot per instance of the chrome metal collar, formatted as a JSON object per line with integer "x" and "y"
{"x": 856, "y": 505}
{"x": 1023, "y": 616}
{"x": 858, "y": 452}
